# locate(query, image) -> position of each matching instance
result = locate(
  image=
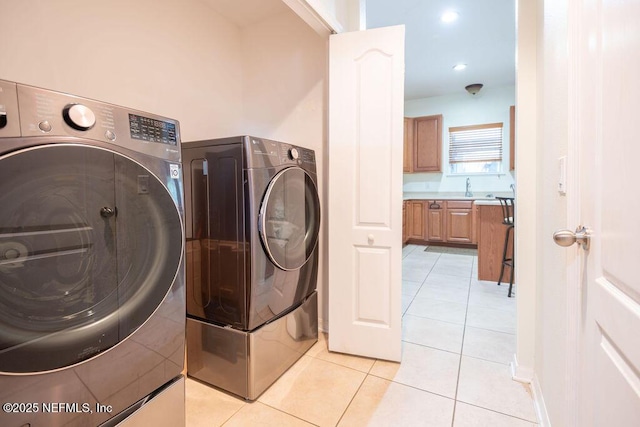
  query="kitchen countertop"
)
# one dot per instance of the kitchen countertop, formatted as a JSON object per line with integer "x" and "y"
{"x": 487, "y": 202}
{"x": 479, "y": 198}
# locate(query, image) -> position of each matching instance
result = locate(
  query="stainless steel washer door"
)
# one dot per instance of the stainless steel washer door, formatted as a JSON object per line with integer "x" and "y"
{"x": 289, "y": 220}
{"x": 90, "y": 243}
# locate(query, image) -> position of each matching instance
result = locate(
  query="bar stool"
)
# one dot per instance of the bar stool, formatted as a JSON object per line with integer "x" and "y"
{"x": 508, "y": 214}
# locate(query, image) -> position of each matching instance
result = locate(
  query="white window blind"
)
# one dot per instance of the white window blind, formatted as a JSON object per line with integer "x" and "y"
{"x": 477, "y": 143}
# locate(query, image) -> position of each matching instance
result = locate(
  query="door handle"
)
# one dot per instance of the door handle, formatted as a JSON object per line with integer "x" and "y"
{"x": 566, "y": 238}
{"x": 107, "y": 212}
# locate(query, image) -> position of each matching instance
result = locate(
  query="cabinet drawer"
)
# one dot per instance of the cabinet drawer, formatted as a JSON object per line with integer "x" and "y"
{"x": 459, "y": 204}
{"x": 435, "y": 204}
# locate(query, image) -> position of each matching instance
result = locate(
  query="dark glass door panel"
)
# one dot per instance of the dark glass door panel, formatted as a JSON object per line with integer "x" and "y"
{"x": 149, "y": 243}
{"x": 198, "y": 265}
{"x": 290, "y": 218}
{"x": 217, "y": 285}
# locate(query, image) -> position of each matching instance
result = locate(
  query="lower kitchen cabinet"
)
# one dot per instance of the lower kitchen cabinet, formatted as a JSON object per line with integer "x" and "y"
{"x": 460, "y": 222}
{"x": 417, "y": 223}
{"x": 438, "y": 221}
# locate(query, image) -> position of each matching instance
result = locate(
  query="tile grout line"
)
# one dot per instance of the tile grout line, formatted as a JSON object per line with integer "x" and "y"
{"x": 464, "y": 330}
{"x": 501, "y": 413}
{"x": 352, "y": 398}
{"x": 413, "y": 387}
{"x": 272, "y": 407}
{"x": 420, "y": 287}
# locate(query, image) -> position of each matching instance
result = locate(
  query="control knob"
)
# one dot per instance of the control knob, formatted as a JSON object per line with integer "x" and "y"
{"x": 79, "y": 116}
{"x": 294, "y": 154}
{"x": 3, "y": 119}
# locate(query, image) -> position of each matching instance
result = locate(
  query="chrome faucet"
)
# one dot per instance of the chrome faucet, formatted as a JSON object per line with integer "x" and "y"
{"x": 468, "y": 192}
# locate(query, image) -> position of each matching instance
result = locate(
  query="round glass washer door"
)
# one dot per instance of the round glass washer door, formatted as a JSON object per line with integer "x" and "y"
{"x": 289, "y": 219}
{"x": 90, "y": 244}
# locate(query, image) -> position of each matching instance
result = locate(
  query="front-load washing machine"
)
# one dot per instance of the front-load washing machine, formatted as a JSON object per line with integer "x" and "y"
{"x": 252, "y": 225}
{"x": 91, "y": 261}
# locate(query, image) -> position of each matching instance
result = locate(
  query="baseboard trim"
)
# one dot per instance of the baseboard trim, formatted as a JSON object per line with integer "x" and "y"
{"x": 323, "y": 325}
{"x": 520, "y": 373}
{"x": 526, "y": 375}
{"x": 539, "y": 405}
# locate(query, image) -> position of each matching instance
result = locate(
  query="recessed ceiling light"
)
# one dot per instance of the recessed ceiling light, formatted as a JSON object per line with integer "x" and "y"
{"x": 459, "y": 67}
{"x": 449, "y": 16}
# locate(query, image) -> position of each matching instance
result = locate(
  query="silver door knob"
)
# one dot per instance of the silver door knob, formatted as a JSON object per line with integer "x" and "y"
{"x": 565, "y": 238}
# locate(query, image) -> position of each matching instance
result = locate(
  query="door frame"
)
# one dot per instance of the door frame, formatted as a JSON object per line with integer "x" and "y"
{"x": 573, "y": 266}
{"x": 526, "y": 159}
{"x": 526, "y": 175}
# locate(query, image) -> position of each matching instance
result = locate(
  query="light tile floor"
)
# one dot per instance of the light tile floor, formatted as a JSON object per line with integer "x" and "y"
{"x": 458, "y": 341}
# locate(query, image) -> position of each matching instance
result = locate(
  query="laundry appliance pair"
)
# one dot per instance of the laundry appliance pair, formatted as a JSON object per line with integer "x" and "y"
{"x": 252, "y": 227}
{"x": 92, "y": 306}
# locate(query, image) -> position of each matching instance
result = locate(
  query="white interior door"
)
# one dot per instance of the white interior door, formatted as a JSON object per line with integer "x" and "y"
{"x": 366, "y": 107}
{"x": 607, "y": 102}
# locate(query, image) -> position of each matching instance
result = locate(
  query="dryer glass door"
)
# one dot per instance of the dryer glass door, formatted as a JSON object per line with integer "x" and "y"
{"x": 289, "y": 220}
{"x": 90, "y": 242}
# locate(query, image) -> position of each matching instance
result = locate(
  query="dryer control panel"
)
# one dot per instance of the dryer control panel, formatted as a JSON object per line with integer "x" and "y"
{"x": 291, "y": 154}
{"x": 263, "y": 152}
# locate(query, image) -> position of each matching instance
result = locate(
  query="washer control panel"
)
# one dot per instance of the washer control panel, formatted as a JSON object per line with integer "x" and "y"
{"x": 78, "y": 116}
{"x": 146, "y": 129}
{"x": 27, "y": 111}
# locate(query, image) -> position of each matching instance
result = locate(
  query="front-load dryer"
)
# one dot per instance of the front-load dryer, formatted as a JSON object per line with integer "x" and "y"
{"x": 91, "y": 260}
{"x": 252, "y": 226}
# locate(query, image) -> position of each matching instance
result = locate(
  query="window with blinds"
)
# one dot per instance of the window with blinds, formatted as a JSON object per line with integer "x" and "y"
{"x": 475, "y": 149}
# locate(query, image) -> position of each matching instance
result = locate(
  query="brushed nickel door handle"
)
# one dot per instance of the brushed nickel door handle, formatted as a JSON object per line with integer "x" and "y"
{"x": 566, "y": 238}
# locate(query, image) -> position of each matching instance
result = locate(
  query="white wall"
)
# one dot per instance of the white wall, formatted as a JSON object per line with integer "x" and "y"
{"x": 177, "y": 59}
{"x": 182, "y": 60}
{"x": 284, "y": 91}
{"x": 490, "y": 105}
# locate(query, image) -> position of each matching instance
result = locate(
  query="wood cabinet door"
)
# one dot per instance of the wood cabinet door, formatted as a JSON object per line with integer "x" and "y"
{"x": 474, "y": 224}
{"x": 427, "y": 144}
{"x": 512, "y": 137}
{"x": 407, "y": 158}
{"x": 436, "y": 222}
{"x": 459, "y": 225}
{"x": 417, "y": 220}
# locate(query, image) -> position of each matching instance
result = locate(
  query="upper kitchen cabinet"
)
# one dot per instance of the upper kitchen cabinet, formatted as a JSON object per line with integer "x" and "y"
{"x": 407, "y": 160}
{"x": 512, "y": 137}
{"x": 427, "y": 144}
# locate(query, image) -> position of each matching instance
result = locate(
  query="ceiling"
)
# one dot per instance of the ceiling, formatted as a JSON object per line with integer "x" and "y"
{"x": 483, "y": 37}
